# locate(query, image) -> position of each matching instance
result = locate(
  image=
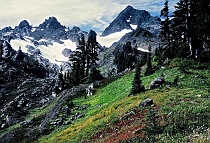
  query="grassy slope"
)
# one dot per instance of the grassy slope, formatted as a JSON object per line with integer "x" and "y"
{"x": 111, "y": 102}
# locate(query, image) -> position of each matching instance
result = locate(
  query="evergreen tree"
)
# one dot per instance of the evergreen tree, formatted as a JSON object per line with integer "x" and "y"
{"x": 84, "y": 59}
{"x": 149, "y": 69}
{"x": 119, "y": 61}
{"x": 81, "y": 54}
{"x": 159, "y": 56}
{"x": 75, "y": 76}
{"x": 91, "y": 55}
{"x": 125, "y": 58}
{"x": 181, "y": 25}
{"x": 201, "y": 24}
{"x": 94, "y": 75}
{"x": 190, "y": 30}
{"x": 61, "y": 80}
{"x": 137, "y": 86}
{"x": 166, "y": 30}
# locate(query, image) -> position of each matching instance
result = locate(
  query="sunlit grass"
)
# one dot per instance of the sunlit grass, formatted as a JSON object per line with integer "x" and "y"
{"x": 109, "y": 103}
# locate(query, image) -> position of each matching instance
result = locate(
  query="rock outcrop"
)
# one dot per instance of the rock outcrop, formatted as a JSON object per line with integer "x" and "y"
{"x": 24, "y": 84}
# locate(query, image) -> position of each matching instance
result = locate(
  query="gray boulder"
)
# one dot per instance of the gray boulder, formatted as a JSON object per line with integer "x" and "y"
{"x": 147, "y": 102}
{"x": 157, "y": 82}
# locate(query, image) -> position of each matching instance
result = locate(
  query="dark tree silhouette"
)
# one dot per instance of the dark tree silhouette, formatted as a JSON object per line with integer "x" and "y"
{"x": 149, "y": 69}
{"x": 125, "y": 58}
{"x": 137, "y": 86}
{"x": 84, "y": 60}
{"x": 190, "y": 30}
{"x": 166, "y": 29}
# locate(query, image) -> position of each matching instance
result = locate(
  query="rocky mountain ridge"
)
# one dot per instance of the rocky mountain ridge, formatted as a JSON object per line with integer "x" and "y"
{"x": 50, "y": 29}
{"x": 130, "y": 16}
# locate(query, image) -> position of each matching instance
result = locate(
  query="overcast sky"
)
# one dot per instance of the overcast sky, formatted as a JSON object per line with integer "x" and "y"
{"x": 94, "y": 14}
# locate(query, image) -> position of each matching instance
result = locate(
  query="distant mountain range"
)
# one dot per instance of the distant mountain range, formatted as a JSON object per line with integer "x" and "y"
{"x": 55, "y": 42}
{"x": 50, "y": 29}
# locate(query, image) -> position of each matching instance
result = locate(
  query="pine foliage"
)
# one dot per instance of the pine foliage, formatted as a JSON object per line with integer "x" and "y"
{"x": 187, "y": 34}
{"x": 137, "y": 86}
{"x": 84, "y": 62}
{"x": 149, "y": 69}
{"x": 125, "y": 59}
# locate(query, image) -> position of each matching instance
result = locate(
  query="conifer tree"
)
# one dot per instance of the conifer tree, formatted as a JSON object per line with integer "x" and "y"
{"x": 125, "y": 58}
{"x": 190, "y": 26}
{"x": 84, "y": 59}
{"x": 181, "y": 24}
{"x": 61, "y": 79}
{"x": 92, "y": 49}
{"x": 149, "y": 69}
{"x": 137, "y": 86}
{"x": 166, "y": 29}
{"x": 81, "y": 54}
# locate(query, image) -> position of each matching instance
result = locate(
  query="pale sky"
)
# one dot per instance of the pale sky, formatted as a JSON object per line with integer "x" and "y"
{"x": 87, "y": 14}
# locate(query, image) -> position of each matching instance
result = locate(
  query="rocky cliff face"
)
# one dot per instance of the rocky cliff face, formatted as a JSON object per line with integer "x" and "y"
{"x": 24, "y": 84}
{"x": 130, "y": 16}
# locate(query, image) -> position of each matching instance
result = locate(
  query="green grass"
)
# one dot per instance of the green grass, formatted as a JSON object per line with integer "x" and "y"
{"x": 109, "y": 103}
{"x": 4, "y": 131}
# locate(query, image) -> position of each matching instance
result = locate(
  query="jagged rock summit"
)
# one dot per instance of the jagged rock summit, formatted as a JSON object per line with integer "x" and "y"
{"x": 24, "y": 24}
{"x": 50, "y": 30}
{"x": 130, "y": 16}
{"x": 51, "y": 24}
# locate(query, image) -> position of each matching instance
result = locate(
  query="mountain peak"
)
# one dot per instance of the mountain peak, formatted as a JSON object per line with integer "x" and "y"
{"x": 24, "y": 24}
{"x": 75, "y": 29}
{"x": 129, "y": 7}
{"x": 51, "y": 24}
{"x": 128, "y": 17}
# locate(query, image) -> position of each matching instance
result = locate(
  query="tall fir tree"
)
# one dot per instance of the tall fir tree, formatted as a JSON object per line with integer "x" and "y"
{"x": 92, "y": 57}
{"x": 181, "y": 24}
{"x": 126, "y": 58}
{"x": 166, "y": 30}
{"x": 137, "y": 86}
{"x": 81, "y": 53}
{"x": 84, "y": 60}
{"x": 75, "y": 77}
{"x": 190, "y": 30}
{"x": 149, "y": 69}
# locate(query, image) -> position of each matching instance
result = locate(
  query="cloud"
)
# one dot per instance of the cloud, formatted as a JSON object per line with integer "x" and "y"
{"x": 87, "y": 13}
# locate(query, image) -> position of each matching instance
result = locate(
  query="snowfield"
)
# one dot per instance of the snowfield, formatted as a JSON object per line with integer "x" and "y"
{"x": 54, "y": 52}
{"x": 51, "y": 52}
{"x": 107, "y": 41}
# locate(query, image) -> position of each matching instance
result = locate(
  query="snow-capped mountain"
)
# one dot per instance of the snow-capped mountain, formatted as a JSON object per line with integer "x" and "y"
{"x": 55, "y": 42}
{"x": 137, "y": 27}
{"x": 50, "y": 39}
{"x": 130, "y": 18}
